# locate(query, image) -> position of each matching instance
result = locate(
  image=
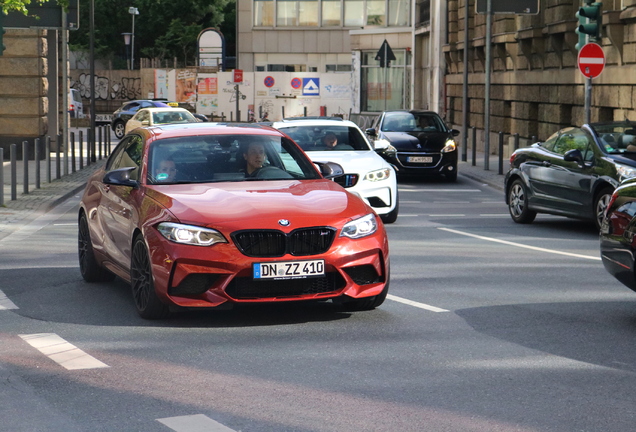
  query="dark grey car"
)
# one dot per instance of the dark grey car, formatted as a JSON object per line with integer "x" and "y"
{"x": 573, "y": 173}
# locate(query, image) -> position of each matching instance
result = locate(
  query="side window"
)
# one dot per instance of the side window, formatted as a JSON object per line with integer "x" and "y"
{"x": 551, "y": 142}
{"x": 574, "y": 139}
{"x": 134, "y": 106}
{"x": 130, "y": 156}
{"x": 111, "y": 164}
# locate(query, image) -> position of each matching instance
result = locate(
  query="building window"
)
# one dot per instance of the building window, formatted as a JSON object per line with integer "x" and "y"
{"x": 292, "y": 13}
{"x": 423, "y": 11}
{"x": 331, "y": 13}
{"x": 339, "y": 68}
{"x": 383, "y": 88}
{"x": 335, "y": 13}
{"x": 285, "y": 68}
{"x": 263, "y": 13}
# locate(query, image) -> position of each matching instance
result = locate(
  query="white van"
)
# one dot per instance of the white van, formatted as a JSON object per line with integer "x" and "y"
{"x": 75, "y": 106}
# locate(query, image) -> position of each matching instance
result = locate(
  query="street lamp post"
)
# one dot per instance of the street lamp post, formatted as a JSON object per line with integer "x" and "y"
{"x": 133, "y": 11}
{"x": 127, "y": 43}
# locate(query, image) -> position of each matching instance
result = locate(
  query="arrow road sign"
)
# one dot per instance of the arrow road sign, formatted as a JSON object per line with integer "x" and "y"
{"x": 591, "y": 60}
{"x": 385, "y": 55}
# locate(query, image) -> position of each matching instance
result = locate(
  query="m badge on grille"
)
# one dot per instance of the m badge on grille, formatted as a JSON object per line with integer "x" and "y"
{"x": 284, "y": 222}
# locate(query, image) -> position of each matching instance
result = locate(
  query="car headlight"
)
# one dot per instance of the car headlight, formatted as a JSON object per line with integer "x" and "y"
{"x": 625, "y": 171}
{"x": 449, "y": 146}
{"x": 360, "y": 227}
{"x": 190, "y": 234}
{"x": 378, "y": 175}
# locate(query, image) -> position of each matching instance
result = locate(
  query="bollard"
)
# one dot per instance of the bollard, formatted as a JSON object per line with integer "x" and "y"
{"x": 501, "y": 151}
{"x": 25, "y": 167}
{"x": 1, "y": 177}
{"x": 516, "y": 141}
{"x": 90, "y": 140}
{"x": 100, "y": 142}
{"x": 81, "y": 150}
{"x": 93, "y": 157}
{"x": 37, "y": 163}
{"x": 474, "y": 149}
{"x": 72, "y": 151}
{"x": 58, "y": 173}
{"x": 47, "y": 150}
{"x": 14, "y": 169}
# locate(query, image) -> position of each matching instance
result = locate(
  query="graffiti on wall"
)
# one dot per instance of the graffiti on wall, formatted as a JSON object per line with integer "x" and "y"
{"x": 125, "y": 88}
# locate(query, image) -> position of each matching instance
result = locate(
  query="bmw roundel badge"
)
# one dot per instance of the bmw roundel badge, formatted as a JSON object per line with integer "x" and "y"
{"x": 284, "y": 222}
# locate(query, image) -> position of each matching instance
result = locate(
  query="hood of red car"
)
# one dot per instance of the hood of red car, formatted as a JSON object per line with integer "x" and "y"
{"x": 260, "y": 204}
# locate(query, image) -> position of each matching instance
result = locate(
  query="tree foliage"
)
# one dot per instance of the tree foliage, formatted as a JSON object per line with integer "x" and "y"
{"x": 164, "y": 29}
{"x": 23, "y": 5}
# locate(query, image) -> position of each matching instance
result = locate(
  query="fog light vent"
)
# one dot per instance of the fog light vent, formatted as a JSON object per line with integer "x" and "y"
{"x": 194, "y": 284}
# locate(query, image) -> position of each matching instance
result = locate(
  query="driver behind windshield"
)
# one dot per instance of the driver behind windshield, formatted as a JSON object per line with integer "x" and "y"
{"x": 254, "y": 155}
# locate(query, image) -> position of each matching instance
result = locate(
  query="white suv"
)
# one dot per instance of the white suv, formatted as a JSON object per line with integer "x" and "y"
{"x": 367, "y": 174}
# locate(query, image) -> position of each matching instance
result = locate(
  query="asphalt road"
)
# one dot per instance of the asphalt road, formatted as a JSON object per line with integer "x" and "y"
{"x": 489, "y": 326}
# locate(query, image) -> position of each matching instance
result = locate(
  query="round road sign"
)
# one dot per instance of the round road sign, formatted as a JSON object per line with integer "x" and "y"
{"x": 296, "y": 83}
{"x": 591, "y": 60}
{"x": 269, "y": 81}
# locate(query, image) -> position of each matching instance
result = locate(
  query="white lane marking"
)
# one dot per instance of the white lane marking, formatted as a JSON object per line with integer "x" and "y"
{"x": 5, "y": 303}
{"x": 414, "y": 303}
{"x": 451, "y": 202}
{"x": 446, "y": 215}
{"x": 439, "y": 190}
{"x": 411, "y": 202}
{"x": 65, "y": 224}
{"x": 408, "y": 215}
{"x": 194, "y": 423}
{"x": 521, "y": 245}
{"x": 62, "y": 352}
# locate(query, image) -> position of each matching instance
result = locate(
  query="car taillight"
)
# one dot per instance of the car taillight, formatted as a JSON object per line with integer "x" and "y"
{"x": 512, "y": 159}
{"x": 611, "y": 202}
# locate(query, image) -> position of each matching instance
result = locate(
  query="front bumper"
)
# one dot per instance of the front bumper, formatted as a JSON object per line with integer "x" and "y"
{"x": 442, "y": 163}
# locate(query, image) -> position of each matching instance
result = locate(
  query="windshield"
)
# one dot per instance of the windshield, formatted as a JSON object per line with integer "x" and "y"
{"x": 218, "y": 158}
{"x": 164, "y": 117}
{"x": 322, "y": 138}
{"x": 412, "y": 122}
{"x": 616, "y": 137}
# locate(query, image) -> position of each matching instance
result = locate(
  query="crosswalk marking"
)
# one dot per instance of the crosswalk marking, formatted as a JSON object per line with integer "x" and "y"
{"x": 194, "y": 423}
{"x": 62, "y": 352}
{"x": 5, "y": 303}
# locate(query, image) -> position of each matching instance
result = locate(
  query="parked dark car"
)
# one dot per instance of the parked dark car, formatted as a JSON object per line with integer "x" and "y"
{"x": 127, "y": 111}
{"x": 618, "y": 229}
{"x": 573, "y": 173}
{"x": 416, "y": 143}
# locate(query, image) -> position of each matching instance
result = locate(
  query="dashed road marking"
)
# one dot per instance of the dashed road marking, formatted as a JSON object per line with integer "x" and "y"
{"x": 520, "y": 245}
{"x": 5, "y": 303}
{"x": 415, "y": 304}
{"x": 439, "y": 190}
{"x": 62, "y": 352}
{"x": 194, "y": 423}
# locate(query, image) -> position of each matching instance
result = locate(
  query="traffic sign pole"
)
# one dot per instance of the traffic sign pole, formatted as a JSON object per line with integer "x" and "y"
{"x": 588, "y": 99}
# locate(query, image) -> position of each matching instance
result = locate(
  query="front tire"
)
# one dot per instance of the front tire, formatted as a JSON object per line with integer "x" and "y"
{"x": 392, "y": 216}
{"x": 89, "y": 267}
{"x": 518, "y": 203}
{"x": 120, "y": 129}
{"x": 601, "y": 202}
{"x": 143, "y": 288}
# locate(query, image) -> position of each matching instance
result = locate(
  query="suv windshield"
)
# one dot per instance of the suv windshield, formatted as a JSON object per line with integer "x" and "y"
{"x": 617, "y": 137}
{"x": 331, "y": 137}
{"x": 217, "y": 158}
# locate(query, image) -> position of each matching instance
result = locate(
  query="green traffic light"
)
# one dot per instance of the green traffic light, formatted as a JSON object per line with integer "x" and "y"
{"x": 593, "y": 12}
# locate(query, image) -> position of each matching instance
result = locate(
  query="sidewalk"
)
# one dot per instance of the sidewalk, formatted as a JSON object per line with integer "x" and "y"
{"x": 27, "y": 207}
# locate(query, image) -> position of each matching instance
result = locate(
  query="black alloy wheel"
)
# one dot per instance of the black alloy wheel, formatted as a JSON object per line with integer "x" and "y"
{"x": 143, "y": 288}
{"x": 120, "y": 129}
{"x": 518, "y": 203}
{"x": 601, "y": 202}
{"x": 89, "y": 268}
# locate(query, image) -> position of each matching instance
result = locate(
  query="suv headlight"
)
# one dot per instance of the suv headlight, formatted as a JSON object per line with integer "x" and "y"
{"x": 449, "y": 146}
{"x": 625, "y": 171}
{"x": 361, "y": 227}
{"x": 378, "y": 175}
{"x": 190, "y": 234}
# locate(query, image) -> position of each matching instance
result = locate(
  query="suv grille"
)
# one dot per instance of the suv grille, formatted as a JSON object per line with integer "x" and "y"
{"x": 274, "y": 243}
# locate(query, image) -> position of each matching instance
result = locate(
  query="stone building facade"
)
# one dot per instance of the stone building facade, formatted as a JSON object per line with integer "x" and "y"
{"x": 536, "y": 87}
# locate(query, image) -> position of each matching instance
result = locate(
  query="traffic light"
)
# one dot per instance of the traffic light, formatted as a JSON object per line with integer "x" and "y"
{"x": 593, "y": 13}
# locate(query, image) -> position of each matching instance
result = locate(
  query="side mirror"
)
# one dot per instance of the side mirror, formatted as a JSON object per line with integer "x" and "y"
{"x": 574, "y": 156}
{"x": 371, "y": 132}
{"x": 120, "y": 177}
{"x": 329, "y": 170}
{"x": 455, "y": 132}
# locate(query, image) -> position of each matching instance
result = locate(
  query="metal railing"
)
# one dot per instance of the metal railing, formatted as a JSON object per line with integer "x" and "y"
{"x": 51, "y": 160}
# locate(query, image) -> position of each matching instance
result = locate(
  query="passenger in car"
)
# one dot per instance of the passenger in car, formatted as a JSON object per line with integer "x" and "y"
{"x": 330, "y": 142}
{"x": 166, "y": 171}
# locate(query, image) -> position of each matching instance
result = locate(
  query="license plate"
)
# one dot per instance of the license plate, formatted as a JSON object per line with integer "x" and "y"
{"x": 419, "y": 159}
{"x": 289, "y": 269}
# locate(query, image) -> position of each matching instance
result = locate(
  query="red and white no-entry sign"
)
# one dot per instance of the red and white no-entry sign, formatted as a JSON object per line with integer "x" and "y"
{"x": 591, "y": 60}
